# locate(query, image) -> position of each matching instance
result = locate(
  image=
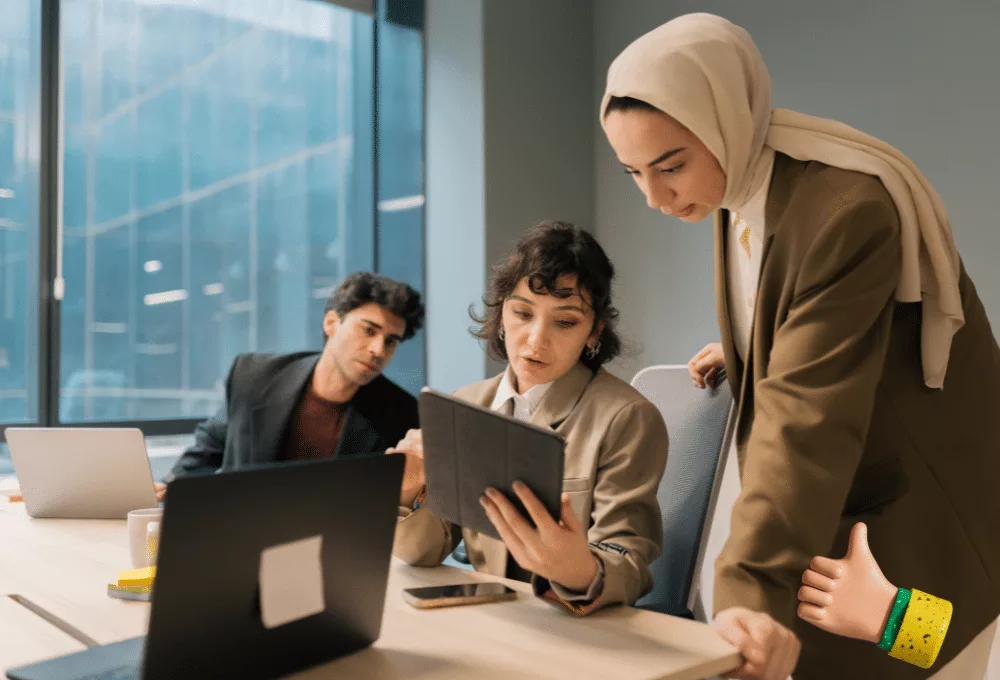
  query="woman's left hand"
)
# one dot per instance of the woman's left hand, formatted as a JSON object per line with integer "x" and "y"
{"x": 558, "y": 551}
{"x": 770, "y": 651}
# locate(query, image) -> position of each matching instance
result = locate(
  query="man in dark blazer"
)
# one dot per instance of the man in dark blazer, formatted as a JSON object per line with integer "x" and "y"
{"x": 311, "y": 405}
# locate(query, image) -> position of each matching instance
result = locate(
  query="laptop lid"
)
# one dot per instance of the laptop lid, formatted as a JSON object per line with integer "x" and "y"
{"x": 208, "y": 610}
{"x": 81, "y": 473}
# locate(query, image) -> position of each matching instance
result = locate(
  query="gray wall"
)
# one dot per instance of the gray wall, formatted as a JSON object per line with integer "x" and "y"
{"x": 509, "y": 142}
{"x": 539, "y": 136}
{"x": 916, "y": 73}
{"x": 455, "y": 212}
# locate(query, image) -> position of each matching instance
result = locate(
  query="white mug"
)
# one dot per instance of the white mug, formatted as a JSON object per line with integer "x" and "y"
{"x": 152, "y": 541}
{"x": 137, "y": 535}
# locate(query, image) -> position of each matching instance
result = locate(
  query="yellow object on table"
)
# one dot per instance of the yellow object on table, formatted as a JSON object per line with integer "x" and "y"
{"x": 137, "y": 577}
{"x": 13, "y": 495}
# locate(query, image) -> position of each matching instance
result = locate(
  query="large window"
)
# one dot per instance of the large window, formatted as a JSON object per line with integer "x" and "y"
{"x": 224, "y": 164}
{"x": 19, "y": 139}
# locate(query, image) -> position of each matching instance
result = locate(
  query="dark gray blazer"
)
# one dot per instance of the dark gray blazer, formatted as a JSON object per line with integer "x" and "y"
{"x": 262, "y": 391}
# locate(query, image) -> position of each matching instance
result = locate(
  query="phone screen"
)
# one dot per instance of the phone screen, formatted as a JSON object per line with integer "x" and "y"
{"x": 461, "y": 590}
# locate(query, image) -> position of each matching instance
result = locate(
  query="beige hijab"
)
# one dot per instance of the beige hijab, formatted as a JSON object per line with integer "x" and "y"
{"x": 707, "y": 74}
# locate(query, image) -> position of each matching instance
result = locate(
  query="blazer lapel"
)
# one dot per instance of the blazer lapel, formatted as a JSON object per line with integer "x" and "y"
{"x": 270, "y": 415}
{"x": 774, "y": 208}
{"x": 745, "y": 394}
{"x": 481, "y": 393}
{"x": 734, "y": 369}
{"x": 562, "y": 397}
{"x": 360, "y": 436}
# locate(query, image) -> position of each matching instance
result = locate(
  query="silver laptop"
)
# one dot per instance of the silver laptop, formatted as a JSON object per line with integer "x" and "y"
{"x": 81, "y": 473}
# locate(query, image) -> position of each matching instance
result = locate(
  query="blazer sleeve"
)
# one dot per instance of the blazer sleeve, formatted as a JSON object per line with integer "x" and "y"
{"x": 205, "y": 455}
{"x": 812, "y": 410}
{"x": 422, "y": 538}
{"x": 626, "y": 531}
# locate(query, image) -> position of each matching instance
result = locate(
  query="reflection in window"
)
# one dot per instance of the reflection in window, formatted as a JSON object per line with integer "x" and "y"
{"x": 20, "y": 39}
{"x": 217, "y": 185}
{"x": 401, "y": 161}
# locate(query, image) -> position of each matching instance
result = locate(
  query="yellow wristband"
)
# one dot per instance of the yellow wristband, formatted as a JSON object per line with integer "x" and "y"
{"x": 924, "y": 627}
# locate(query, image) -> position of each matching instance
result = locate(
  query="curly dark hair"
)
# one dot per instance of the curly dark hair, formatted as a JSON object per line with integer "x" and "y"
{"x": 545, "y": 252}
{"x": 363, "y": 288}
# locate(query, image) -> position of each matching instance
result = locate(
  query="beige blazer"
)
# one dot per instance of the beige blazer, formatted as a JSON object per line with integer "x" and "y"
{"x": 836, "y": 426}
{"x": 616, "y": 451}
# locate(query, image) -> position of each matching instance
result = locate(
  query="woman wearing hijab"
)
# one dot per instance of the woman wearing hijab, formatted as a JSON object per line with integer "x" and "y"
{"x": 866, "y": 372}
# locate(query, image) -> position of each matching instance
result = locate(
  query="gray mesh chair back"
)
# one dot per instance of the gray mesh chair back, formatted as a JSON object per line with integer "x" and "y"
{"x": 698, "y": 427}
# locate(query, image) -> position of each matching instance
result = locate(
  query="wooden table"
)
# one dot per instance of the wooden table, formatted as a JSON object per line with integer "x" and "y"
{"x": 26, "y": 637}
{"x": 64, "y": 566}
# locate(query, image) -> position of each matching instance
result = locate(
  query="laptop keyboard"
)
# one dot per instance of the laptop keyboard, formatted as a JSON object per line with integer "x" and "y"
{"x": 120, "y": 673}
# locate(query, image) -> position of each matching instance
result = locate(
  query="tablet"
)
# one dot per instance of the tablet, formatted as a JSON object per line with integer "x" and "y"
{"x": 468, "y": 448}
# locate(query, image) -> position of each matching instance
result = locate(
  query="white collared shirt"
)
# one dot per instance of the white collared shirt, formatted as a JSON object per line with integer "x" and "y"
{"x": 743, "y": 272}
{"x": 524, "y": 404}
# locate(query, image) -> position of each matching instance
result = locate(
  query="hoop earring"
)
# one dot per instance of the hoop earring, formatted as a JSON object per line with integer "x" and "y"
{"x": 594, "y": 350}
{"x": 501, "y": 334}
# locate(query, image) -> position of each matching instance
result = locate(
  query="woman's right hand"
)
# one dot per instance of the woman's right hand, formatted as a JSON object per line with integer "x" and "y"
{"x": 706, "y": 365}
{"x": 411, "y": 446}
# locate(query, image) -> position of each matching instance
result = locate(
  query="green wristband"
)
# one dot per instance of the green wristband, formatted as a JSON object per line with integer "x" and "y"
{"x": 895, "y": 619}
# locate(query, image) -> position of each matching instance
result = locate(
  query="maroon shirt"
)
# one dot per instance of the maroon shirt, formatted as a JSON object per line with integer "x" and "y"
{"x": 314, "y": 428}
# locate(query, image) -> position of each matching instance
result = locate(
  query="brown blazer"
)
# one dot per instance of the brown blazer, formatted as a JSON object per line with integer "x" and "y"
{"x": 616, "y": 451}
{"x": 835, "y": 425}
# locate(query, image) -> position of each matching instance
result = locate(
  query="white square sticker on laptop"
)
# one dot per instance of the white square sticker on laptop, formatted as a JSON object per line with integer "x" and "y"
{"x": 291, "y": 581}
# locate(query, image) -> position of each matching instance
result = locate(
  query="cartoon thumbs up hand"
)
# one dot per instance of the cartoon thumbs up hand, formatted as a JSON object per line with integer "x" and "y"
{"x": 849, "y": 597}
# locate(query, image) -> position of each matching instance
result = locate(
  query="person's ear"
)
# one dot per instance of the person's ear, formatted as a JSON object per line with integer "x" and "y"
{"x": 596, "y": 333}
{"x": 331, "y": 322}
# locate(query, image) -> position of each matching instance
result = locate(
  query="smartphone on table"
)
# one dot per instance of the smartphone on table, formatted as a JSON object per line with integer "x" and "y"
{"x": 429, "y": 597}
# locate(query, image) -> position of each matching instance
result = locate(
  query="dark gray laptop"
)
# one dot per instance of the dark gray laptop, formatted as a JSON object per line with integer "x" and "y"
{"x": 208, "y": 611}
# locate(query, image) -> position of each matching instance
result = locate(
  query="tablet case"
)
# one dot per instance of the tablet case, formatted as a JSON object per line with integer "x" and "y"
{"x": 468, "y": 448}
